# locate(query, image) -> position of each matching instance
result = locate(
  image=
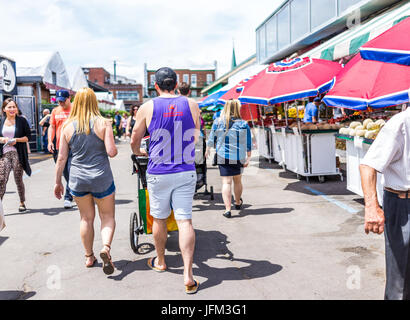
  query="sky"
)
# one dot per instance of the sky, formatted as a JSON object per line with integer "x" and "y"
{"x": 94, "y": 33}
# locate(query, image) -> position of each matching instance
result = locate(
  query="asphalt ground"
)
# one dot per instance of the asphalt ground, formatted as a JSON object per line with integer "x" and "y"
{"x": 292, "y": 240}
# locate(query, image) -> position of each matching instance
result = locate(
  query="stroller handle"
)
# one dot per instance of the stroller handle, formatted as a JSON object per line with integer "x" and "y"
{"x": 136, "y": 159}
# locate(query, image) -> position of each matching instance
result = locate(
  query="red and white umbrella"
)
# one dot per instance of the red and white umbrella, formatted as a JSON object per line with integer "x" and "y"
{"x": 289, "y": 80}
{"x": 392, "y": 46}
{"x": 368, "y": 83}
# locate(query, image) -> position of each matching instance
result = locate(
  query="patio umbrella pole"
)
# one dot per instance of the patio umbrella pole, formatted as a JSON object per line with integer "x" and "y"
{"x": 286, "y": 114}
{"x": 250, "y": 112}
{"x": 298, "y": 119}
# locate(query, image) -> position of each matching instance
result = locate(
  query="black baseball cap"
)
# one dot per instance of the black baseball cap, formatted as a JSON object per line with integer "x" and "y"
{"x": 166, "y": 78}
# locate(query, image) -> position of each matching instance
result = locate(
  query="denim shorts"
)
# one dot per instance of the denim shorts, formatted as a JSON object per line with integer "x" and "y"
{"x": 171, "y": 192}
{"x": 98, "y": 195}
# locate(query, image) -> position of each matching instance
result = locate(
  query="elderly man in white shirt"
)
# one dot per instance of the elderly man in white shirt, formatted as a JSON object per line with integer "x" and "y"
{"x": 390, "y": 155}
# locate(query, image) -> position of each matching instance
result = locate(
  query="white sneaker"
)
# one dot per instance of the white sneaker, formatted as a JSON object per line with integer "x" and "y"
{"x": 68, "y": 204}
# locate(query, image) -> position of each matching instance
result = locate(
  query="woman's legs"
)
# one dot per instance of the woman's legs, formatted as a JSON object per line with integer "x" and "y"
{"x": 86, "y": 206}
{"x": 237, "y": 188}
{"x": 5, "y": 168}
{"x": 106, "y": 210}
{"x": 18, "y": 178}
{"x": 227, "y": 192}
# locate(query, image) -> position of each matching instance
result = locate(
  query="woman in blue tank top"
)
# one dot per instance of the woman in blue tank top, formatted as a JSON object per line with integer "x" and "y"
{"x": 90, "y": 139}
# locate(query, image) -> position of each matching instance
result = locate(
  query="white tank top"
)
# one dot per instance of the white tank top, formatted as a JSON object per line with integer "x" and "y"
{"x": 8, "y": 132}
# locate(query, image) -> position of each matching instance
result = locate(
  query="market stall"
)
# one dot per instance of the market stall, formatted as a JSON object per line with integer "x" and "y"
{"x": 381, "y": 90}
{"x": 305, "y": 150}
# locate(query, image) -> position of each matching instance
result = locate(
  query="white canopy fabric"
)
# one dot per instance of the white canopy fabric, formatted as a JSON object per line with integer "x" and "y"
{"x": 79, "y": 80}
{"x": 119, "y": 105}
{"x": 44, "y": 64}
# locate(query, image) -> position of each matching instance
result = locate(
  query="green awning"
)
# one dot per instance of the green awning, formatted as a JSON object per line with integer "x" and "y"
{"x": 350, "y": 41}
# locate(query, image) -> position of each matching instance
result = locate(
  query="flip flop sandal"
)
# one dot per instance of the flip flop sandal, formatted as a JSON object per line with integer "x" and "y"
{"x": 108, "y": 266}
{"x": 95, "y": 260}
{"x": 192, "y": 289}
{"x": 151, "y": 264}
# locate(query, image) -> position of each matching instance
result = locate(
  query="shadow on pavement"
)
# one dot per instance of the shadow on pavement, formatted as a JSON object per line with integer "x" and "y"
{"x": 210, "y": 245}
{"x": 261, "y": 211}
{"x": 120, "y": 202}
{"x": 3, "y": 239}
{"x": 246, "y": 211}
{"x": 16, "y": 295}
{"x": 45, "y": 211}
{"x": 331, "y": 186}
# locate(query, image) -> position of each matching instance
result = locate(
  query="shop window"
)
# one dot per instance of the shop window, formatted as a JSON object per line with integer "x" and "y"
{"x": 322, "y": 11}
{"x": 345, "y": 4}
{"x": 299, "y": 18}
{"x": 194, "y": 93}
{"x": 262, "y": 42}
{"x": 283, "y": 28}
{"x": 272, "y": 36}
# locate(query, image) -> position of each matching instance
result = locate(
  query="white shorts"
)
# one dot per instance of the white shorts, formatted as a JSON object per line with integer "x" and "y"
{"x": 171, "y": 192}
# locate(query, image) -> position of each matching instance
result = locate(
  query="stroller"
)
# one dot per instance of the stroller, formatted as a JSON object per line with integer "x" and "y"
{"x": 201, "y": 169}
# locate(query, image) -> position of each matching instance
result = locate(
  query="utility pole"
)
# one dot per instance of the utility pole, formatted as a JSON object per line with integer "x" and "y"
{"x": 115, "y": 71}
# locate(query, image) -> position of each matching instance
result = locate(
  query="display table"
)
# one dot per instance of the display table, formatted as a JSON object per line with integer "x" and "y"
{"x": 356, "y": 149}
{"x": 309, "y": 153}
{"x": 266, "y": 142}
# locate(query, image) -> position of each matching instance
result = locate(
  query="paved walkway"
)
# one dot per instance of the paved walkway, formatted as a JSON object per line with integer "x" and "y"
{"x": 293, "y": 240}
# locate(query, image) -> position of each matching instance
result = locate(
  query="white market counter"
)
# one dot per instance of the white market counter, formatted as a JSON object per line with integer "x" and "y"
{"x": 356, "y": 149}
{"x": 308, "y": 154}
{"x": 311, "y": 153}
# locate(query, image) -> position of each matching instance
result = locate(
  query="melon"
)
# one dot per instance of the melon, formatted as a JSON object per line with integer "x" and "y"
{"x": 355, "y": 124}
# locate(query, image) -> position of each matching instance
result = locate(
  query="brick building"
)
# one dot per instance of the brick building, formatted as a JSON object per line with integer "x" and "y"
{"x": 122, "y": 88}
{"x": 198, "y": 79}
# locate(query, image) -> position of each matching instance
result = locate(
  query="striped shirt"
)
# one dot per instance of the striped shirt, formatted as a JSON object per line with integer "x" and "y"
{"x": 390, "y": 152}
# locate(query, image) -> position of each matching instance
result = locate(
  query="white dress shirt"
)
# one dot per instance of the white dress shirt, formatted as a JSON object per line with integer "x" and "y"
{"x": 390, "y": 152}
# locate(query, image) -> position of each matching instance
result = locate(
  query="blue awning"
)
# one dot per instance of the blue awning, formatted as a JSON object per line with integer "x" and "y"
{"x": 212, "y": 99}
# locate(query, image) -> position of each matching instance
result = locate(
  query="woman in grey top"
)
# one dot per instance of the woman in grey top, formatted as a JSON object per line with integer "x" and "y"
{"x": 90, "y": 139}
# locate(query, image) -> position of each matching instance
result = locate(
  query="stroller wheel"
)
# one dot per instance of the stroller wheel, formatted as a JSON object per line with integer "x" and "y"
{"x": 134, "y": 231}
{"x": 212, "y": 193}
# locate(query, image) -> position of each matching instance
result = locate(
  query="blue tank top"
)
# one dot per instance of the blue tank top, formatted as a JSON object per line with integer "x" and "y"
{"x": 172, "y": 132}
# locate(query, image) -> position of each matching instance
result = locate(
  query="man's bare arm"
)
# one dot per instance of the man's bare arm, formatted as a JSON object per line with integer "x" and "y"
{"x": 51, "y": 135}
{"x": 140, "y": 128}
{"x": 374, "y": 215}
{"x": 196, "y": 117}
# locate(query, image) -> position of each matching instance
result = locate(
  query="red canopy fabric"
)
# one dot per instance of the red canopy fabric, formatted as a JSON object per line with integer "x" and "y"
{"x": 367, "y": 83}
{"x": 392, "y": 46}
{"x": 289, "y": 80}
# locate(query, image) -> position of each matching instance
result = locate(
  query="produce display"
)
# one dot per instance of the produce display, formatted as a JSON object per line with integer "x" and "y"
{"x": 318, "y": 126}
{"x": 293, "y": 112}
{"x": 369, "y": 129}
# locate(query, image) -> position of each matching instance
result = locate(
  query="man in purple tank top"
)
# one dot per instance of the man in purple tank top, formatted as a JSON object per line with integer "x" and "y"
{"x": 173, "y": 123}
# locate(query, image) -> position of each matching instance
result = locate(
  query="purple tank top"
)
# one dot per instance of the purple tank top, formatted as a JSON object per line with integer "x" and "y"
{"x": 172, "y": 132}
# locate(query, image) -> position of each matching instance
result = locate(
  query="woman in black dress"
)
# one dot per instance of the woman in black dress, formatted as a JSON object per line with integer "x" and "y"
{"x": 131, "y": 120}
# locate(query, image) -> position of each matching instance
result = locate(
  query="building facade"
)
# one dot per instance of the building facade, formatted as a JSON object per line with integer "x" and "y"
{"x": 198, "y": 79}
{"x": 297, "y": 26}
{"x": 121, "y": 87}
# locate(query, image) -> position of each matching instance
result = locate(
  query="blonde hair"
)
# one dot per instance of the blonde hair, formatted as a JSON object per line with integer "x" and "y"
{"x": 232, "y": 109}
{"x": 85, "y": 109}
